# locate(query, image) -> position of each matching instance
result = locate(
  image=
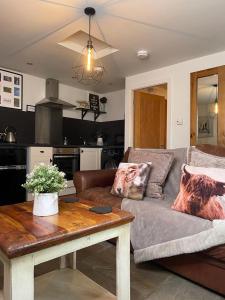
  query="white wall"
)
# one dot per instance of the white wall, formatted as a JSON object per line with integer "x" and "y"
{"x": 178, "y": 79}
{"x": 115, "y": 106}
{"x": 34, "y": 91}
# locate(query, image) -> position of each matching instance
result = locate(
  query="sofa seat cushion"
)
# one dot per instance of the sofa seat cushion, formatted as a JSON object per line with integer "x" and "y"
{"x": 155, "y": 222}
{"x": 101, "y": 196}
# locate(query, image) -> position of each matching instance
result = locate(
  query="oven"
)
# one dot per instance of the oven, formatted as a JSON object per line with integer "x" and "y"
{"x": 68, "y": 161}
{"x": 12, "y": 175}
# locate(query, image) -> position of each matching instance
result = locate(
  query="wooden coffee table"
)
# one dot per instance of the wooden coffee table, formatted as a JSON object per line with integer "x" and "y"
{"x": 27, "y": 240}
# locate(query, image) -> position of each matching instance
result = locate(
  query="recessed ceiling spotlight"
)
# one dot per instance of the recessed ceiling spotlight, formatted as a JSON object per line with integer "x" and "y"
{"x": 142, "y": 54}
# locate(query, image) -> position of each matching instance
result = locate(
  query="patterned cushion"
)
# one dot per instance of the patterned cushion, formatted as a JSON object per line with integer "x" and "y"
{"x": 131, "y": 179}
{"x": 197, "y": 158}
{"x": 202, "y": 192}
{"x": 161, "y": 164}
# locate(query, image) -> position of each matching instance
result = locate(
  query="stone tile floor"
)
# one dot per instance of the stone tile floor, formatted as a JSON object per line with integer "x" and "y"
{"x": 148, "y": 281}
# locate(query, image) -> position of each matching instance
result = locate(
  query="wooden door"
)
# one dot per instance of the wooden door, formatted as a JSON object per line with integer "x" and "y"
{"x": 150, "y": 118}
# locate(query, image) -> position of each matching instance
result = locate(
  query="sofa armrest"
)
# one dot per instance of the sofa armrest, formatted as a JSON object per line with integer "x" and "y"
{"x": 97, "y": 178}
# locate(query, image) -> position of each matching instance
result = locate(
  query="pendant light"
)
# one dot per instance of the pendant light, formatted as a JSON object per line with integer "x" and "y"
{"x": 216, "y": 100}
{"x": 89, "y": 72}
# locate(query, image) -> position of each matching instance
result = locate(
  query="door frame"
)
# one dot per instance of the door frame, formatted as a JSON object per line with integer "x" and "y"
{"x": 129, "y": 107}
{"x": 220, "y": 71}
{"x": 137, "y": 125}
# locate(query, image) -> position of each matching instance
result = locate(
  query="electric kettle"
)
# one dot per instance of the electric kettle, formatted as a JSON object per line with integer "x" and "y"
{"x": 10, "y": 134}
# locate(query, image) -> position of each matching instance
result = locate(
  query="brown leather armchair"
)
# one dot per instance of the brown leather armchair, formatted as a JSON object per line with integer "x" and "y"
{"x": 95, "y": 186}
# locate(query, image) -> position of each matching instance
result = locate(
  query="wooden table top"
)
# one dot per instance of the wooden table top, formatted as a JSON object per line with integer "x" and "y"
{"x": 21, "y": 232}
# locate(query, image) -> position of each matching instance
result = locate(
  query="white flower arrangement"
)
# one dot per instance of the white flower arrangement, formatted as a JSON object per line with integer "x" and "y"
{"x": 45, "y": 179}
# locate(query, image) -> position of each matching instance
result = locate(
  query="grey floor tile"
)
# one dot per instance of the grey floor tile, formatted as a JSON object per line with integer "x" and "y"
{"x": 148, "y": 281}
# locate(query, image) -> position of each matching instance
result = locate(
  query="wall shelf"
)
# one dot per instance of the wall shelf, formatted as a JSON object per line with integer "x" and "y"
{"x": 84, "y": 111}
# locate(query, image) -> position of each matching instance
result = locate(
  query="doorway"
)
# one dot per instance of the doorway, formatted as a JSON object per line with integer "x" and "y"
{"x": 150, "y": 117}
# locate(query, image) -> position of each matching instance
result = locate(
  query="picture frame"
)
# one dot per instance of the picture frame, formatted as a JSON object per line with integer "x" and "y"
{"x": 205, "y": 126}
{"x": 11, "y": 89}
{"x": 94, "y": 102}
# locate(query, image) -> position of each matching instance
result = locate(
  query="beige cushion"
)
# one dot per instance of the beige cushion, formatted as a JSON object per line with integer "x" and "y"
{"x": 161, "y": 164}
{"x": 197, "y": 158}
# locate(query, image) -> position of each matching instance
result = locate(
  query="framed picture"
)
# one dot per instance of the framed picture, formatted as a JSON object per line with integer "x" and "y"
{"x": 205, "y": 126}
{"x": 11, "y": 89}
{"x": 94, "y": 102}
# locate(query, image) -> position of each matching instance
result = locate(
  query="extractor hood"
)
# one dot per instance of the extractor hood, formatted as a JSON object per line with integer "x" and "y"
{"x": 52, "y": 95}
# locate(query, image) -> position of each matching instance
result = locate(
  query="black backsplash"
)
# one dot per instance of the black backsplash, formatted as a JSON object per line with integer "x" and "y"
{"x": 79, "y": 130}
{"x": 75, "y": 130}
{"x": 24, "y": 123}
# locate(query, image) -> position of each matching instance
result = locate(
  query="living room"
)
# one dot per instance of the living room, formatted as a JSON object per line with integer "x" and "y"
{"x": 112, "y": 149}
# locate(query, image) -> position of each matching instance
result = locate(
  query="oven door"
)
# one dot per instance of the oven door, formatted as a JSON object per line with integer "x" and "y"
{"x": 67, "y": 163}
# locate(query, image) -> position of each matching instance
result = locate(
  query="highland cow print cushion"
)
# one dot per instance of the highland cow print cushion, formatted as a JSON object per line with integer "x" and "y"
{"x": 131, "y": 179}
{"x": 202, "y": 192}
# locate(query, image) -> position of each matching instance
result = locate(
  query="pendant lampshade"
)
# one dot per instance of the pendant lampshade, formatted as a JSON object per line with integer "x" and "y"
{"x": 89, "y": 71}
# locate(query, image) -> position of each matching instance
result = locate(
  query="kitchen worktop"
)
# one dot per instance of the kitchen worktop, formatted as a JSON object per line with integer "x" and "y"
{"x": 18, "y": 145}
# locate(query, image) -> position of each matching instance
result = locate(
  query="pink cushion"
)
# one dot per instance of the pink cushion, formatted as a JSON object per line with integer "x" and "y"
{"x": 202, "y": 192}
{"x": 130, "y": 180}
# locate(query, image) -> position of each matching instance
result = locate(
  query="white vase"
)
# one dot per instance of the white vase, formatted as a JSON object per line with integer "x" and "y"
{"x": 45, "y": 204}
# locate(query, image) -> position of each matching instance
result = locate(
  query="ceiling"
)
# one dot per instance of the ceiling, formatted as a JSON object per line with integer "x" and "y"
{"x": 172, "y": 31}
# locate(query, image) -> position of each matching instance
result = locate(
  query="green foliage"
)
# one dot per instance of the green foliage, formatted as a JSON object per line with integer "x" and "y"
{"x": 45, "y": 179}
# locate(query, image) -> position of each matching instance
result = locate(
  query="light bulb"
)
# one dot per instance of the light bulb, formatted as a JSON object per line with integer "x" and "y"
{"x": 89, "y": 58}
{"x": 216, "y": 108}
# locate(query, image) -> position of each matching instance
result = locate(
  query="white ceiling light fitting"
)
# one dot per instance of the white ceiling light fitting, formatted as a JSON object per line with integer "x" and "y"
{"x": 142, "y": 54}
{"x": 89, "y": 72}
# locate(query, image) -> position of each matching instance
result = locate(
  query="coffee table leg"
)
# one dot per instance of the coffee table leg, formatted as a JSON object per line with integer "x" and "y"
{"x": 73, "y": 260}
{"x": 123, "y": 264}
{"x": 64, "y": 263}
{"x": 19, "y": 278}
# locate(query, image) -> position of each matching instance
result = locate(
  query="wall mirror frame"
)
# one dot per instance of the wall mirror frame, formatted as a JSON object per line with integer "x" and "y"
{"x": 195, "y": 76}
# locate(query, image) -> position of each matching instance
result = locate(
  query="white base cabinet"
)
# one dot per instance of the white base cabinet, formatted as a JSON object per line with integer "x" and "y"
{"x": 90, "y": 158}
{"x": 35, "y": 156}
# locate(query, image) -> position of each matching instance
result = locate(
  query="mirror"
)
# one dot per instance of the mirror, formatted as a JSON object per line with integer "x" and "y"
{"x": 207, "y": 110}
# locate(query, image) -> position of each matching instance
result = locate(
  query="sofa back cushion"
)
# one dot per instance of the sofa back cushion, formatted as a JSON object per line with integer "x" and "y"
{"x": 212, "y": 149}
{"x": 172, "y": 184}
{"x": 197, "y": 158}
{"x": 161, "y": 164}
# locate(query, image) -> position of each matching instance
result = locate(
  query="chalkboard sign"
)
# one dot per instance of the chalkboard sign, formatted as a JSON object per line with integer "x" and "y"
{"x": 94, "y": 102}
